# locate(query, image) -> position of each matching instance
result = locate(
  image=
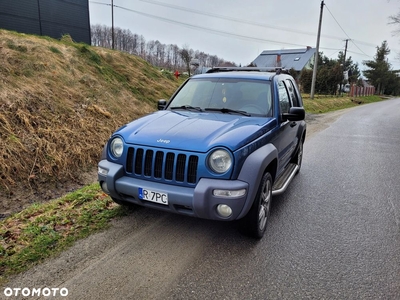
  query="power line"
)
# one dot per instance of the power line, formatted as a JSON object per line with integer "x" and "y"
{"x": 242, "y": 21}
{"x": 224, "y": 33}
{"x": 337, "y": 21}
{"x": 257, "y": 23}
{"x": 108, "y": 4}
{"x": 345, "y": 31}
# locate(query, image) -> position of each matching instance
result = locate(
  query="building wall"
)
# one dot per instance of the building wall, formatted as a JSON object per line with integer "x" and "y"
{"x": 52, "y": 18}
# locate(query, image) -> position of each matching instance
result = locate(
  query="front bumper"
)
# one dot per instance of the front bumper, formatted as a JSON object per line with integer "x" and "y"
{"x": 196, "y": 202}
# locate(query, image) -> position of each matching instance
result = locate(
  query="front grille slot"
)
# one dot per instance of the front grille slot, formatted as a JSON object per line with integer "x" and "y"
{"x": 129, "y": 160}
{"x": 170, "y": 166}
{"x": 158, "y": 164}
{"x": 139, "y": 161}
{"x": 180, "y": 167}
{"x": 192, "y": 169}
{"x": 148, "y": 163}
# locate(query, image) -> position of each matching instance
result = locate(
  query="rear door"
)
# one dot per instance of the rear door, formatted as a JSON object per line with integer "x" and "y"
{"x": 288, "y": 129}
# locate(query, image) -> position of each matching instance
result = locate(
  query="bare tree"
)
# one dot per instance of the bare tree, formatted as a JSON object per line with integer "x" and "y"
{"x": 142, "y": 47}
{"x": 161, "y": 55}
{"x": 186, "y": 57}
{"x": 176, "y": 56}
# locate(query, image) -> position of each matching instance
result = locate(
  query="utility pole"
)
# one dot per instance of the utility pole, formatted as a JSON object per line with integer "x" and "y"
{"x": 344, "y": 66}
{"x": 112, "y": 24}
{"x": 314, "y": 77}
{"x": 40, "y": 17}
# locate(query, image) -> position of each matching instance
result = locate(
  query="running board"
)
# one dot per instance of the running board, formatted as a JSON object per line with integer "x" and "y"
{"x": 284, "y": 179}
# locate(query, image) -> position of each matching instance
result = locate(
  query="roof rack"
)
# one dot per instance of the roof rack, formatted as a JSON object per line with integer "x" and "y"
{"x": 277, "y": 70}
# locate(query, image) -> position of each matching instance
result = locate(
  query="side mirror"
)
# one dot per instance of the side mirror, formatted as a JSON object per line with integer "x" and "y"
{"x": 294, "y": 114}
{"x": 162, "y": 104}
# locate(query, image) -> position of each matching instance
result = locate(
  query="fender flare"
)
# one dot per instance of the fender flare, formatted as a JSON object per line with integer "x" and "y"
{"x": 253, "y": 169}
{"x": 104, "y": 152}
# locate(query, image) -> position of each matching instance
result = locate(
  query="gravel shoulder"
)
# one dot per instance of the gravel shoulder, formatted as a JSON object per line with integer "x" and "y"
{"x": 319, "y": 122}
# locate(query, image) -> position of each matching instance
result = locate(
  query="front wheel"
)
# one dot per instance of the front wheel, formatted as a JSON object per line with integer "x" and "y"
{"x": 255, "y": 222}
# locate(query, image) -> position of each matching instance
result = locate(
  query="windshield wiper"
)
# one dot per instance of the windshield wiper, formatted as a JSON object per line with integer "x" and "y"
{"x": 228, "y": 110}
{"x": 187, "y": 107}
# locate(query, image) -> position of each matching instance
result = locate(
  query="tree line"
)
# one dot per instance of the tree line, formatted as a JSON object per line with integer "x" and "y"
{"x": 332, "y": 73}
{"x": 166, "y": 56}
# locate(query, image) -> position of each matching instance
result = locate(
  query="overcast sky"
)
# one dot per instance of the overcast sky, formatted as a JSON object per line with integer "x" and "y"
{"x": 239, "y": 30}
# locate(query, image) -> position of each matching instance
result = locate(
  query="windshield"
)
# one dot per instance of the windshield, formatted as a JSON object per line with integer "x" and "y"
{"x": 228, "y": 95}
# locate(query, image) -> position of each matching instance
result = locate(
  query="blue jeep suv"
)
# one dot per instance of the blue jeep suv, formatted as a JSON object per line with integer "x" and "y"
{"x": 220, "y": 148}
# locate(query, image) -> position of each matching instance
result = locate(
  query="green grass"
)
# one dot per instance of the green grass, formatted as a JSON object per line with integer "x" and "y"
{"x": 324, "y": 104}
{"x": 43, "y": 230}
{"x": 55, "y": 50}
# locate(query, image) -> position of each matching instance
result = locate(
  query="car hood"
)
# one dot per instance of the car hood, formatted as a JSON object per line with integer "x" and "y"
{"x": 194, "y": 131}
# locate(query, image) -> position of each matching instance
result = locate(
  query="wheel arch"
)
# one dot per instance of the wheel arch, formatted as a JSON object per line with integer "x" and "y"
{"x": 264, "y": 159}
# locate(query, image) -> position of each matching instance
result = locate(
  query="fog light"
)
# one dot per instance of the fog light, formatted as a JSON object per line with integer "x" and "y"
{"x": 104, "y": 187}
{"x": 224, "y": 210}
{"x": 102, "y": 171}
{"x": 229, "y": 193}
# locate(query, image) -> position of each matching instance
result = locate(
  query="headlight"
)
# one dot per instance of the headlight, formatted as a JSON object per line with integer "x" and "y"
{"x": 220, "y": 161}
{"x": 117, "y": 147}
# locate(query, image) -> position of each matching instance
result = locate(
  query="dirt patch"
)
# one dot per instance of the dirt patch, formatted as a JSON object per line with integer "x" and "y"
{"x": 23, "y": 197}
{"x": 319, "y": 122}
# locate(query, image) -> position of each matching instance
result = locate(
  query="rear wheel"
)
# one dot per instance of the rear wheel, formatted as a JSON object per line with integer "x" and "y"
{"x": 255, "y": 222}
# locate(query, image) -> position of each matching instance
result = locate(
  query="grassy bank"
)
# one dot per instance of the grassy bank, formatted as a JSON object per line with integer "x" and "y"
{"x": 60, "y": 101}
{"x": 324, "y": 104}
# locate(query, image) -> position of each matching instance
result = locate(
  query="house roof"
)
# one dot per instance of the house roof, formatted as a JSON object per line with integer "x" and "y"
{"x": 290, "y": 58}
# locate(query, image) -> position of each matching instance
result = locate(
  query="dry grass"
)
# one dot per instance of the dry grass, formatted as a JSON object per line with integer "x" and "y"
{"x": 59, "y": 103}
{"x": 323, "y": 104}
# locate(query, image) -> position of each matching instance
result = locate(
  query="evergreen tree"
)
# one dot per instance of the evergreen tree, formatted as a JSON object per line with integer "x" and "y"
{"x": 379, "y": 72}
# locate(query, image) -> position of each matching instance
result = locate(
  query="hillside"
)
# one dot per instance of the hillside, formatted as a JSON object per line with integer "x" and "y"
{"x": 60, "y": 101}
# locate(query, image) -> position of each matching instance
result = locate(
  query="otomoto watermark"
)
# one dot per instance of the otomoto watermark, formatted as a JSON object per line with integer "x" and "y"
{"x": 35, "y": 292}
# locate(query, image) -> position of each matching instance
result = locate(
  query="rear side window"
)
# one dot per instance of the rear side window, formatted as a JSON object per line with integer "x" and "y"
{"x": 284, "y": 100}
{"x": 292, "y": 93}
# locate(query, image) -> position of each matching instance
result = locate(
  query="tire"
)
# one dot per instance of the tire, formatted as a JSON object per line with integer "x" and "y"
{"x": 255, "y": 222}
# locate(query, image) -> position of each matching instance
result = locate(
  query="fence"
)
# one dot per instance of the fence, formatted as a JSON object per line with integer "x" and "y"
{"x": 52, "y": 18}
{"x": 358, "y": 91}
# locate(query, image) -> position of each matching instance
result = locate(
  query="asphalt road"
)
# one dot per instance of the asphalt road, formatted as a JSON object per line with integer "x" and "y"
{"x": 334, "y": 234}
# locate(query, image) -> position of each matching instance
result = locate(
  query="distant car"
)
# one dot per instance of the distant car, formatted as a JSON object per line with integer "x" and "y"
{"x": 346, "y": 88}
{"x": 219, "y": 149}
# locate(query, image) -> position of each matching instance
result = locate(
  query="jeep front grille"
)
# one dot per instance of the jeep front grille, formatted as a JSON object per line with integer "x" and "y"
{"x": 158, "y": 164}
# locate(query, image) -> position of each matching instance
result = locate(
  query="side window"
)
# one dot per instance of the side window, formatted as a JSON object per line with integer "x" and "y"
{"x": 284, "y": 102}
{"x": 292, "y": 93}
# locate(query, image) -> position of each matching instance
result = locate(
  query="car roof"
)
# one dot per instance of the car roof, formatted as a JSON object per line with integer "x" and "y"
{"x": 243, "y": 72}
{"x": 236, "y": 74}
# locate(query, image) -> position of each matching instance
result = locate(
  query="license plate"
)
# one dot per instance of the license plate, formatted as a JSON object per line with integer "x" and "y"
{"x": 153, "y": 196}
